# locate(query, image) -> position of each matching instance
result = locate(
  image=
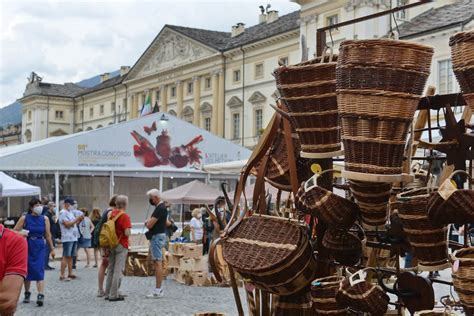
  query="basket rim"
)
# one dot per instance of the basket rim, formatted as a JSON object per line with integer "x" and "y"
{"x": 387, "y": 42}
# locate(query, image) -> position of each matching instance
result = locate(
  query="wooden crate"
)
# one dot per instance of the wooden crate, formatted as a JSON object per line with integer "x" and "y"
{"x": 192, "y": 251}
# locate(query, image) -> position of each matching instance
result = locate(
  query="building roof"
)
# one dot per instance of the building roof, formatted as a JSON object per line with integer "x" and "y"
{"x": 214, "y": 39}
{"x": 223, "y": 41}
{"x": 67, "y": 90}
{"x": 103, "y": 85}
{"x": 283, "y": 24}
{"x": 438, "y": 18}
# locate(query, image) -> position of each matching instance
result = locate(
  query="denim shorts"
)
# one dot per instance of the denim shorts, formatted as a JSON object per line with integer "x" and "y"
{"x": 69, "y": 248}
{"x": 157, "y": 243}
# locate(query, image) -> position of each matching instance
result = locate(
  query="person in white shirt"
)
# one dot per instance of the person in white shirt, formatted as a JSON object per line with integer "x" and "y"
{"x": 69, "y": 234}
{"x": 197, "y": 231}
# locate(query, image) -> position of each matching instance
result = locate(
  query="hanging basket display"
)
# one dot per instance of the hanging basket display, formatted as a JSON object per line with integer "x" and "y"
{"x": 379, "y": 83}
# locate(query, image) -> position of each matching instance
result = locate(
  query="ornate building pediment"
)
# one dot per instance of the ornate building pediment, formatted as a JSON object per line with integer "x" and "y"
{"x": 169, "y": 49}
{"x": 257, "y": 97}
{"x": 234, "y": 102}
{"x": 187, "y": 111}
{"x": 206, "y": 107}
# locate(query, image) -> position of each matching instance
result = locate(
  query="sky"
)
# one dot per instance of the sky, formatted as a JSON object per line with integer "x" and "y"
{"x": 67, "y": 41}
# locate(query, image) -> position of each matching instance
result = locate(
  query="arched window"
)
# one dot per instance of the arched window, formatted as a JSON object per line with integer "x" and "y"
{"x": 172, "y": 112}
{"x": 89, "y": 129}
{"x": 27, "y": 136}
{"x": 188, "y": 114}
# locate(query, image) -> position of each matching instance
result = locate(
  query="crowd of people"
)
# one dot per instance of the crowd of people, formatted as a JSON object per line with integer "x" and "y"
{"x": 26, "y": 251}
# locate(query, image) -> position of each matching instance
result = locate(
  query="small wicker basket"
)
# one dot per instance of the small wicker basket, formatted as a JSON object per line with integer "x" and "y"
{"x": 323, "y": 292}
{"x": 372, "y": 199}
{"x": 463, "y": 277}
{"x": 462, "y": 53}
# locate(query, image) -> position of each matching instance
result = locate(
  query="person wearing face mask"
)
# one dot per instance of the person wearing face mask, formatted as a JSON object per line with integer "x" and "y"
{"x": 38, "y": 227}
{"x": 156, "y": 233}
{"x": 197, "y": 231}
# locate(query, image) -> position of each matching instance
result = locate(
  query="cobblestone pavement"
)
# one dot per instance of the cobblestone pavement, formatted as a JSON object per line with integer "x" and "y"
{"x": 79, "y": 297}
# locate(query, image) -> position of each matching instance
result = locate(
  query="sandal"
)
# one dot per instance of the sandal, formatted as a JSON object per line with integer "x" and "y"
{"x": 40, "y": 300}
{"x": 72, "y": 276}
{"x": 94, "y": 266}
{"x": 61, "y": 278}
{"x": 100, "y": 294}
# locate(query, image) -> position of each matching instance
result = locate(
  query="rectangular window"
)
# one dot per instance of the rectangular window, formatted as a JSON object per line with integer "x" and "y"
{"x": 236, "y": 126}
{"x": 91, "y": 112}
{"x": 207, "y": 83}
{"x": 259, "y": 70}
{"x": 101, "y": 109}
{"x": 445, "y": 77}
{"x": 258, "y": 122}
{"x": 29, "y": 115}
{"x": 59, "y": 114}
{"x": 190, "y": 87}
{"x": 207, "y": 124}
{"x": 112, "y": 107}
{"x": 283, "y": 61}
{"x": 236, "y": 75}
{"x": 402, "y": 14}
{"x": 173, "y": 92}
{"x": 124, "y": 102}
{"x": 158, "y": 95}
{"x": 81, "y": 114}
{"x": 332, "y": 19}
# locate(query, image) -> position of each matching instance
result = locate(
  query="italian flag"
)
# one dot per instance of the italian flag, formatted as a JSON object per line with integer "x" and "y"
{"x": 146, "y": 108}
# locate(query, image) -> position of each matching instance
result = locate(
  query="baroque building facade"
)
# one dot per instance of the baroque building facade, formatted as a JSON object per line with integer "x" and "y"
{"x": 222, "y": 81}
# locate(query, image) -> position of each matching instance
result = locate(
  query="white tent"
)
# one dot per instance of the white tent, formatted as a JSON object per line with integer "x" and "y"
{"x": 11, "y": 187}
{"x": 194, "y": 192}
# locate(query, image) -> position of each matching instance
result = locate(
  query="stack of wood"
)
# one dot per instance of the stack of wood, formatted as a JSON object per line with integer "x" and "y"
{"x": 188, "y": 265}
{"x": 140, "y": 263}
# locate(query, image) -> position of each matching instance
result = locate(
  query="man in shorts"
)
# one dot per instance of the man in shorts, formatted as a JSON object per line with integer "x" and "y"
{"x": 68, "y": 223}
{"x": 156, "y": 225}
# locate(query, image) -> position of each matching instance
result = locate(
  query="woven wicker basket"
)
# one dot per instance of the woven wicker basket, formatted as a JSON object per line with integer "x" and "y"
{"x": 363, "y": 296}
{"x": 428, "y": 241}
{"x": 462, "y": 53}
{"x": 344, "y": 246}
{"x": 378, "y": 84}
{"x": 274, "y": 254}
{"x": 458, "y": 208}
{"x": 331, "y": 208}
{"x": 309, "y": 91}
{"x": 323, "y": 292}
{"x": 372, "y": 199}
{"x": 298, "y": 304}
{"x": 463, "y": 278}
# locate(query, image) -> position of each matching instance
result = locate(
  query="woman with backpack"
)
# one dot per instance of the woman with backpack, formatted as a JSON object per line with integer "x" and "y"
{"x": 95, "y": 218}
{"x": 39, "y": 233}
{"x": 116, "y": 229}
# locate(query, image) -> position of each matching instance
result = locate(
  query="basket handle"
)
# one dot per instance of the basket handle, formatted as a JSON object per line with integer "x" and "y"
{"x": 312, "y": 182}
{"x": 323, "y": 55}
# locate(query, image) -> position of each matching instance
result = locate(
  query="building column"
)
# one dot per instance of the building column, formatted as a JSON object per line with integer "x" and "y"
{"x": 139, "y": 104}
{"x": 153, "y": 97}
{"x": 127, "y": 110}
{"x": 133, "y": 108}
{"x": 220, "y": 105}
{"x": 179, "y": 98}
{"x": 197, "y": 100}
{"x": 215, "y": 102}
{"x": 164, "y": 98}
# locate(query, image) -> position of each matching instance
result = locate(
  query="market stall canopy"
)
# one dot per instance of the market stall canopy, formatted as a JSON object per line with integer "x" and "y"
{"x": 156, "y": 142}
{"x": 231, "y": 167}
{"x": 11, "y": 187}
{"x": 194, "y": 192}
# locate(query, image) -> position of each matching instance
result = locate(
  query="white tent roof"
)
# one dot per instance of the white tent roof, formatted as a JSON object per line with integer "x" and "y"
{"x": 225, "y": 167}
{"x": 147, "y": 144}
{"x": 194, "y": 192}
{"x": 10, "y": 187}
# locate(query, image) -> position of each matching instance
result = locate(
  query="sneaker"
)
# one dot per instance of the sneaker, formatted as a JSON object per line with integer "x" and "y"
{"x": 26, "y": 300}
{"x": 100, "y": 294}
{"x": 156, "y": 294}
{"x": 40, "y": 300}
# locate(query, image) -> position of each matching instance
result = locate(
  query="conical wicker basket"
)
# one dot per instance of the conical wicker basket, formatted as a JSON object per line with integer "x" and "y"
{"x": 323, "y": 292}
{"x": 429, "y": 241}
{"x": 309, "y": 91}
{"x": 378, "y": 84}
{"x": 372, "y": 199}
{"x": 462, "y": 53}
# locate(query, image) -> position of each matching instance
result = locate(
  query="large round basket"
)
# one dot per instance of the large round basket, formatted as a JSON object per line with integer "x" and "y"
{"x": 309, "y": 91}
{"x": 378, "y": 84}
{"x": 372, "y": 199}
{"x": 344, "y": 246}
{"x": 323, "y": 293}
{"x": 463, "y": 277}
{"x": 462, "y": 53}
{"x": 428, "y": 241}
{"x": 273, "y": 253}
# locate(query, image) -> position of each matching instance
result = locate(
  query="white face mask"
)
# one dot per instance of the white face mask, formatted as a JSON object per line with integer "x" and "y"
{"x": 38, "y": 210}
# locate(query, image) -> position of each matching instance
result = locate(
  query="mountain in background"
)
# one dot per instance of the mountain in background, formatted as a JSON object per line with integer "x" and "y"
{"x": 11, "y": 114}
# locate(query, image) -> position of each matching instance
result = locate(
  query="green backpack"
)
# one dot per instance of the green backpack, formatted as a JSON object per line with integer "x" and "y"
{"x": 108, "y": 237}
